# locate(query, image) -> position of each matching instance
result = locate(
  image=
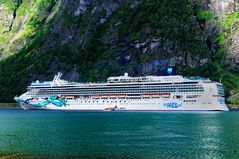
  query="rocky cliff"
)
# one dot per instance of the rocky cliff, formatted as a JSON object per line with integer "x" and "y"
{"x": 89, "y": 40}
{"x": 227, "y": 12}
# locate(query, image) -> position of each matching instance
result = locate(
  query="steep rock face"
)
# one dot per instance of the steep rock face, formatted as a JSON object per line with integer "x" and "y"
{"x": 78, "y": 19}
{"x": 232, "y": 58}
{"x": 26, "y": 18}
{"x": 228, "y": 11}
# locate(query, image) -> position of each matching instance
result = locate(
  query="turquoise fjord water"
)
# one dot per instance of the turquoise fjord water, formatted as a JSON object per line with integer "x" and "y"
{"x": 54, "y": 134}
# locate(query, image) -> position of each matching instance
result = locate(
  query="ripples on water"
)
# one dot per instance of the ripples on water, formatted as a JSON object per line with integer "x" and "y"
{"x": 119, "y": 134}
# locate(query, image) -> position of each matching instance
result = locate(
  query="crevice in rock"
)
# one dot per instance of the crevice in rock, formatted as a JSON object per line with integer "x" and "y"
{"x": 49, "y": 9}
{"x": 19, "y": 2}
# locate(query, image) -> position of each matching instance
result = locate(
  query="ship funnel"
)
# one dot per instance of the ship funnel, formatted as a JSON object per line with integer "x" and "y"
{"x": 126, "y": 74}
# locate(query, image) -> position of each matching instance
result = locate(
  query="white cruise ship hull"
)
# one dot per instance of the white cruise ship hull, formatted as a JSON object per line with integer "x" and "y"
{"x": 133, "y": 105}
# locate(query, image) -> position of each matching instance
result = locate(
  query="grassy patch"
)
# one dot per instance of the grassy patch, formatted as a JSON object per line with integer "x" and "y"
{"x": 221, "y": 38}
{"x": 230, "y": 20}
{"x": 204, "y": 14}
{"x": 10, "y": 5}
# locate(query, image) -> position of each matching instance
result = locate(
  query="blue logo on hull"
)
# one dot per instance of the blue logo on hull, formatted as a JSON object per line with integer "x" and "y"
{"x": 172, "y": 105}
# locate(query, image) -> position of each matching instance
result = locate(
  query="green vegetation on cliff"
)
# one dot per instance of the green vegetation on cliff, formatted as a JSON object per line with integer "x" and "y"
{"x": 91, "y": 40}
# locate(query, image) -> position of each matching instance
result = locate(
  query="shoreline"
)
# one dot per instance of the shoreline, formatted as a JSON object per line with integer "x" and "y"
{"x": 233, "y": 107}
{"x": 10, "y": 108}
{"x": 17, "y": 106}
{"x": 9, "y": 105}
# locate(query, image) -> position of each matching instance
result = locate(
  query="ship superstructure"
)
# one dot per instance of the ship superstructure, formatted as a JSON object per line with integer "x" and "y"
{"x": 125, "y": 93}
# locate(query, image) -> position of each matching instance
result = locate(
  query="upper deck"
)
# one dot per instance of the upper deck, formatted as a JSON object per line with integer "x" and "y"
{"x": 158, "y": 79}
{"x": 122, "y": 80}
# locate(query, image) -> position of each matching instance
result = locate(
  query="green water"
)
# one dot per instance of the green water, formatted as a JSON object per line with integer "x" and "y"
{"x": 51, "y": 134}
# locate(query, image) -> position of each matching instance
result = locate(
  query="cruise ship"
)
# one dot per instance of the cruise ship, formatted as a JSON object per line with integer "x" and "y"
{"x": 126, "y": 93}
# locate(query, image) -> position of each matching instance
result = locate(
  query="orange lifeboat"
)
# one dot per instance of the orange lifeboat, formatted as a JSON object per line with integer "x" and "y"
{"x": 69, "y": 97}
{"x": 108, "y": 109}
{"x": 122, "y": 95}
{"x": 155, "y": 95}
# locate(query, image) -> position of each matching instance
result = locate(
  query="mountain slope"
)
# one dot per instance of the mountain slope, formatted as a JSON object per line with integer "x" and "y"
{"x": 89, "y": 40}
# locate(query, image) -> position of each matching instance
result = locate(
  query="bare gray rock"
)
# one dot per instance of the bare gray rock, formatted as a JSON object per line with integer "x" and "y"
{"x": 223, "y": 7}
{"x": 232, "y": 58}
{"x": 5, "y": 19}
